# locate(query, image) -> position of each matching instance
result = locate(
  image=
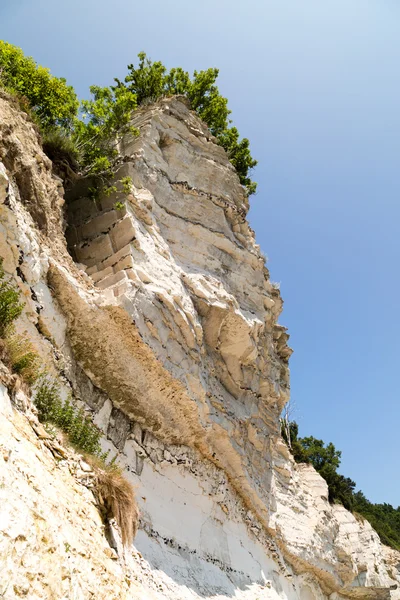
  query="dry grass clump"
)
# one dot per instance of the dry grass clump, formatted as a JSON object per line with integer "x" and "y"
{"x": 16, "y": 351}
{"x": 20, "y": 356}
{"x": 118, "y": 498}
{"x": 23, "y": 357}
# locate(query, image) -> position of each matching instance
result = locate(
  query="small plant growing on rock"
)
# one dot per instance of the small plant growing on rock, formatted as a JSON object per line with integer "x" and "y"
{"x": 126, "y": 183}
{"x": 23, "y": 358}
{"x": 82, "y": 433}
{"x": 16, "y": 351}
{"x": 10, "y": 305}
{"x": 115, "y": 493}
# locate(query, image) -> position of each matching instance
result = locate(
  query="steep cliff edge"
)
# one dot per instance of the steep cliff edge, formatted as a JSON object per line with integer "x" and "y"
{"x": 166, "y": 329}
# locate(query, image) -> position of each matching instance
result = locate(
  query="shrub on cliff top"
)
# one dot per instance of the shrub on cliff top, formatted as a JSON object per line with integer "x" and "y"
{"x": 89, "y": 139}
{"x": 105, "y": 119}
{"x": 151, "y": 80}
{"x": 50, "y": 98}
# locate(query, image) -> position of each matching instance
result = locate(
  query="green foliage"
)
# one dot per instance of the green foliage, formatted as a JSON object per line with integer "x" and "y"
{"x": 239, "y": 155}
{"x": 105, "y": 119}
{"x": 150, "y": 81}
{"x": 50, "y": 99}
{"x": 81, "y": 431}
{"x": 20, "y": 354}
{"x": 60, "y": 148}
{"x": 126, "y": 183}
{"x": 10, "y": 305}
{"x": 88, "y": 143}
{"x": 326, "y": 460}
{"x": 147, "y": 82}
{"x": 383, "y": 517}
{"x": 47, "y": 401}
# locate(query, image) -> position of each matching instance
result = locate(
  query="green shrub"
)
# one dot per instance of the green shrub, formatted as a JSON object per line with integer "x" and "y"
{"x": 150, "y": 81}
{"x": 51, "y": 100}
{"x": 47, "y": 401}
{"x": 88, "y": 144}
{"x": 105, "y": 119}
{"x": 384, "y": 518}
{"x": 18, "y": 352}
{"x": 60, "y": 147}
{"x": 10, "y": 305}
{"x": 114, "y": 492}
{"x": 81, "y": 431}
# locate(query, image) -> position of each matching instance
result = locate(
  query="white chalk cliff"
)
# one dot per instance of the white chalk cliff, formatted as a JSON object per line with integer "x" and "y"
{"x": 160, "y": 317}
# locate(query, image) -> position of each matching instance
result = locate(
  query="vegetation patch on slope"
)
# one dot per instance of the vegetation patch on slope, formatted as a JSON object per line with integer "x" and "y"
{"x": 115, "y": 493}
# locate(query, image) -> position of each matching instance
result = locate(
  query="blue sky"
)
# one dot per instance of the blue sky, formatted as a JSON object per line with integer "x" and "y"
{"x": 315, "y": 86}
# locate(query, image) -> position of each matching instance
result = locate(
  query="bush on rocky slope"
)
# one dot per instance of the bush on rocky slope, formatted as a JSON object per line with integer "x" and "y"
{"x": 15, "y": 350}
{"x": 10, "y": 305}
{"x": 114, "y": 492}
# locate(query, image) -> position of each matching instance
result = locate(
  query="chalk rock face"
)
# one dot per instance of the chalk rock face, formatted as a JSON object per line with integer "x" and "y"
{"x": 165, "y": 328}
{"x": 179, "y": 257}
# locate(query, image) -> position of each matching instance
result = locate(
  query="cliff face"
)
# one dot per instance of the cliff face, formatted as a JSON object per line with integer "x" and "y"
{"x": 165, "y": 328}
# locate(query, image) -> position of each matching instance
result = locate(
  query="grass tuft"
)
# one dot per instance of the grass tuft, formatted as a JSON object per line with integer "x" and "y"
{"x": 118, "y": 497}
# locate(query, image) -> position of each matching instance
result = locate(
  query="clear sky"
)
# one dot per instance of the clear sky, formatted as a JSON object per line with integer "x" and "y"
{"x": 315, "y": 86}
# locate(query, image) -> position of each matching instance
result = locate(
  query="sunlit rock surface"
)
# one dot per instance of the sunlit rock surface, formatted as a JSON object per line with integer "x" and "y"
{"x": 166, "y": 330}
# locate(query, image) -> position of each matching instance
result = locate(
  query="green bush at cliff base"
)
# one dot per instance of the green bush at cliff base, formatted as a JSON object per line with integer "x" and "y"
{"x": 326, "y": 460}
{"x": 50, "y": 99}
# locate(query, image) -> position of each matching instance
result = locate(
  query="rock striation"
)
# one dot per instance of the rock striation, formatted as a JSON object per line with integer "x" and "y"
{"x": 157, "y": 312}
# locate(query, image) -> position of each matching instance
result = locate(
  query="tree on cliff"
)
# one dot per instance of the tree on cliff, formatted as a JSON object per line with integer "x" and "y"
{"x": 151, "y": 80}
{"x": 49, "y": 98}
{"x": 326, "y": 460}
{"x": 84, "y": 136}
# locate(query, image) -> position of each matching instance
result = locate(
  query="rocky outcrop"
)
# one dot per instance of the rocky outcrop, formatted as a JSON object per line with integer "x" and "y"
{"x": 166, "y": 329}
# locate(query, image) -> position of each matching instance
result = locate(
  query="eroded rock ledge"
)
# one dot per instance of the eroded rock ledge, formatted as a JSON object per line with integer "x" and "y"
{"x": 166, "y": 329}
